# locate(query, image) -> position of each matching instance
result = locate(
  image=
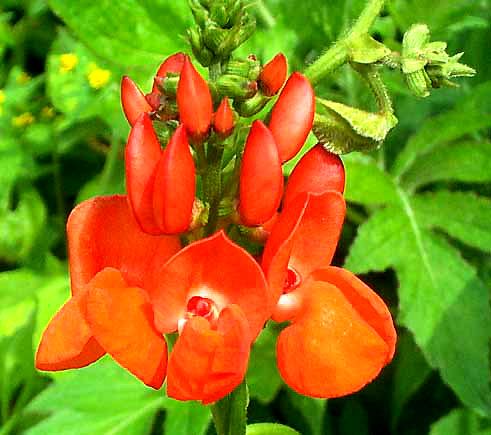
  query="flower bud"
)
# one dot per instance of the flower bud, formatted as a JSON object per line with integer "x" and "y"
{"x": 173, "y": 64}
{"x": 194, "y": 102}
{"x": 236, "y": 86}
{"x": 224, "y": 121}
{"x": 292, "y": 116}
{"x": 273, "y": 75}
{"x": 133, "y": 100}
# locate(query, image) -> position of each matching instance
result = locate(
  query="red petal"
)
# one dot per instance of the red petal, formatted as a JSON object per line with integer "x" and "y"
{"x": 224, "y": 120}
{"x": 214, "y": 268}
{"x": 273, "y": 75}
{"x": 304, "y": 238}
{"x": 194, "y": 101}
{"x": 102, "y": 232}
{"x": 121, "y": 319}
{"x": 174, "y": 188}
{"x": 142, "y": 156}
{"x": 364, "y": 300}
{"x": 205, "y": 364}
{"x": 133, "y": 100}
{"x": 292, "y": 116}
{"x": 318, "y": 171}
{"x": 173, "y": 64}
{"x": 261, "y": 177}
{"x": 330, "y": 350}
{"x": 67, "y": 342}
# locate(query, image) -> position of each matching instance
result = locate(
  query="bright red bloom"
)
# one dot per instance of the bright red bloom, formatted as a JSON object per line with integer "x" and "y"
{"x": 111, "y": 262}
{"x": 261, "y": 177}
{"x": 128, "y": 291}
{"x": 292, "y": 116}
{"x": 273, "y": 75}
{"x": 161, "y": 184}
{"x": 342, "y": 333}
{"x": 194, "y": 102}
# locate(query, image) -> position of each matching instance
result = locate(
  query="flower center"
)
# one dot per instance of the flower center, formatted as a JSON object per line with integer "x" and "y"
{"x": 199, "y": 306}
{"x": 292, "y": 280}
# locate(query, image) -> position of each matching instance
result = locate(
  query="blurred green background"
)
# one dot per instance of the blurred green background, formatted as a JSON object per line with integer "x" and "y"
{"x": 418, "y": 227}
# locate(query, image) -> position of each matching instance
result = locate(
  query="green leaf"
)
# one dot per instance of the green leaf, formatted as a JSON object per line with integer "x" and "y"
{"x": 99, "y": 399}
{"x": 411, "y": 371}
{"x": 466, "y": 162}
{"x": 469, "y": 117}
{"x": 463, "y": 215}
{"x": 440, "y": 296}
{"x": 262, "y": 377}
{"x": 366, "y": 182}
{"x": 133, "y": 35}
{"x": 186, "y": 418}
{"x": 304, "y": 413}
{"x": 230, "y": 413}
{"x": 459, "y": 422}
{"x": 270, "y": 429}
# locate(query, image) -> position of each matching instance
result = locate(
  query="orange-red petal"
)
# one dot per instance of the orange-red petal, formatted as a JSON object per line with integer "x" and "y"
{"x": 261, "y": 177}
{"x": 67, "y": 342}
{"x": 142, "y": 156}
{"x": 207, "y": 364}
{"x": 330, "y": 349}
{"x": 174, "y": 185}
{"x": 173, "y": 63}
{"x": 194, "y": 101}
{"x": 317, "y": 171}
{"x": 121, "y": 319}
{"x": 214, "y": 268}
{"x": 292, "y": 116}
{"x": 304, "y": 238}
{"x": 133, "y": 100}
{"x": 224, "y": 120}
{"x": 102, "y": 232}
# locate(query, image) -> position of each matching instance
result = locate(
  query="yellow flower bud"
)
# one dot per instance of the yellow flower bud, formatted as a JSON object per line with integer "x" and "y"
{"x": 68, "y": 61}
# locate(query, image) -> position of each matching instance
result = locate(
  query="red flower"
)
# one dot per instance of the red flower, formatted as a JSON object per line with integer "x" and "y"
{"x": 341, "y": 332}
{"x": 127, "y": 291}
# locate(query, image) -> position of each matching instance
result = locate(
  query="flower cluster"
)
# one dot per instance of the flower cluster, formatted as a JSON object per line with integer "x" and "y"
{"x": 152, "y": 262}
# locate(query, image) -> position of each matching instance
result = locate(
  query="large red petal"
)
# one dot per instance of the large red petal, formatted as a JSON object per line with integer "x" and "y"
{"x": 121, "y": 319}
{"x": 194, "y": 101}
{"x": 102, "y": 232}
{"x": 318, "y": 171}
{"x": 208, "y": 364}
{"x": 214, "y": 268}
{"x": 174, "y": 188}
{"x": 261, "y": 177}
{"x": 364, "y": 300}
{"x": 330, "y": 350}
{"x": 292, "y": 116}
{"x": 142, "y": 156}
{"x": 173, "y": 63}
{"x": 133, "y": 100}
{"x": 304, "y": 238}
{"x": 67, "y": 342}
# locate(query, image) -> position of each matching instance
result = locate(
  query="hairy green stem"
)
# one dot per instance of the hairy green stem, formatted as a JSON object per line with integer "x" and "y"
{"x": 264, "y": 14}
{"x": 372, "y": 78}
{"x": 212, "y": 186}
{"x": 338, "y": 53}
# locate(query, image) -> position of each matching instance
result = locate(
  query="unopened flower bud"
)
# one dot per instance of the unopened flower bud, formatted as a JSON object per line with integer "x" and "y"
{"x": 273, "y": 75}
{"x": 224, "y": 121}
{"x": 236, "y": 86}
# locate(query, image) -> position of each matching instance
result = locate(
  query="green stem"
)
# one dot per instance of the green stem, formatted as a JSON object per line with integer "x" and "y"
{"x": 372, "y": 77}
{"x": 212, "y": 186}
{"x": 110, "y": 165}
{"x": 338, "y": 54}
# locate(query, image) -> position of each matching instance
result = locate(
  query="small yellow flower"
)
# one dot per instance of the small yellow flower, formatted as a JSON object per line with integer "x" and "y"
{"x": 2, "y": 96}
{"x": 23, "y": 120}
{"x": 98, "y": 77}
{"x": 23, "y": 78}
{"x": 48, "y": 112}
{"x": 68, "y": 61}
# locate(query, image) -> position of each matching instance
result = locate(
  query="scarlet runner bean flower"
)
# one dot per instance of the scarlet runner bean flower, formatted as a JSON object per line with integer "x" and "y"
{"x": 341, "y": 332}
{"x": 128, "y": 290}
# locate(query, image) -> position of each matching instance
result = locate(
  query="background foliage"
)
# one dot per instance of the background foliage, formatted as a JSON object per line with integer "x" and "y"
{"x": 418, "y": 226}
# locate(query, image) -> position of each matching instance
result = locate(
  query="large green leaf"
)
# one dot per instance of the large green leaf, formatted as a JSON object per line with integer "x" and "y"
{"x": 186, "y": 418}
{"x": 100, "y": 399}
{"x": 134, "y": 35}
{"x": 440, "y": 296}
{"x": 460, "y": 422}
